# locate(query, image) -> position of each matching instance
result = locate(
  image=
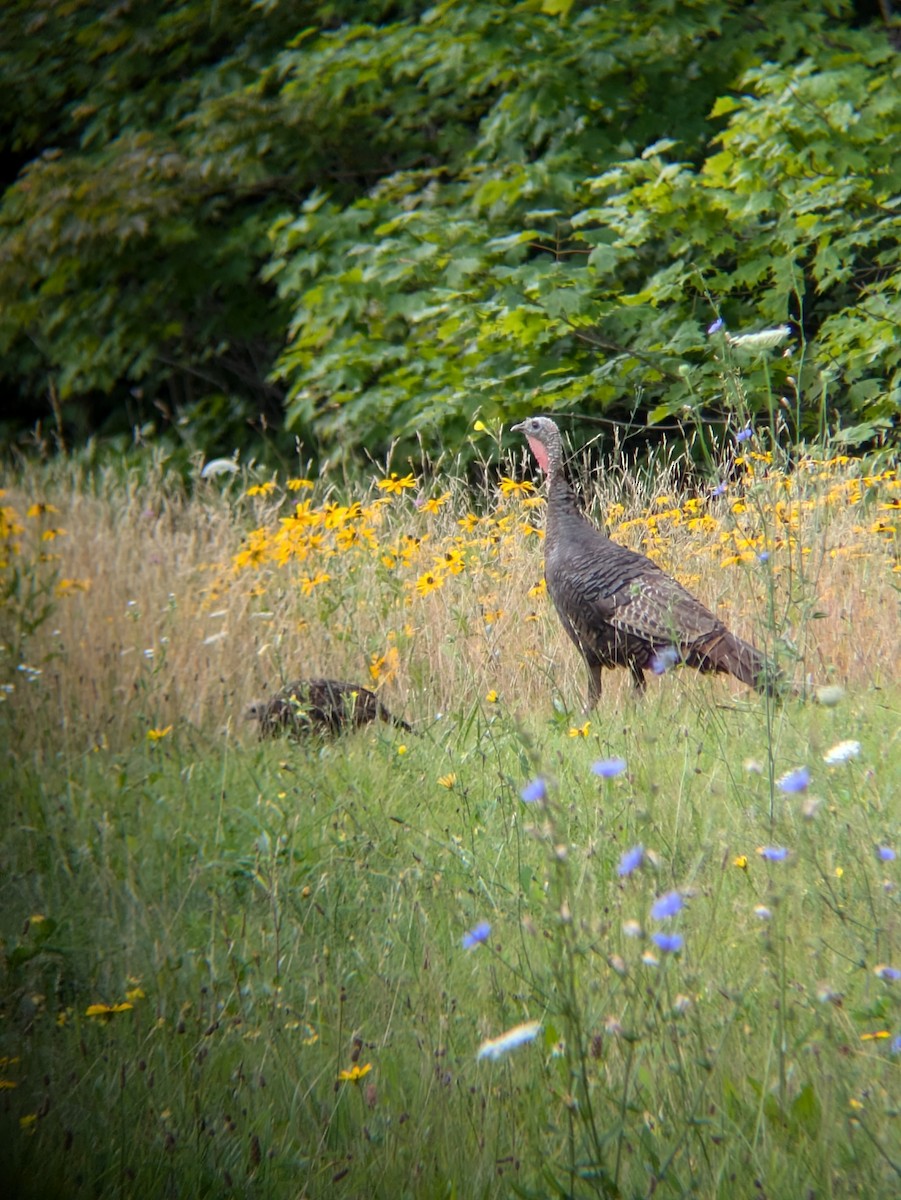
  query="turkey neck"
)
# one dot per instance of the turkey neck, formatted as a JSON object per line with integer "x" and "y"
{"x": 563, "y": 508}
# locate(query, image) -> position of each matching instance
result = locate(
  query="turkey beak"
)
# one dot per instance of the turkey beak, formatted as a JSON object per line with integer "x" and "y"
{"x": 520, "y": 428}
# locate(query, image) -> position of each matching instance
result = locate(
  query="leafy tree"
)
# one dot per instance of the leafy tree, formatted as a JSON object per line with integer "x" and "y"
{"x": 373, "y": 220}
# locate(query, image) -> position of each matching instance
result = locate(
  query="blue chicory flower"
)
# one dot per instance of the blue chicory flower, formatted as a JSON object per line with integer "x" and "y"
{"x": 477, "y": 935}
{"x": 794, "y": 781}
{"x": 608, "y": 768}
{"x": 664, "y": 659}
{"x": 744, "y": 435}
{"x": 773, "y": 853}
{"x": 669, "y": 943}
{"x": 631, "y": 861}
{"x": 720, "y": 489}
{"x": 886, "y": 853}
{"x": 534, "y": 792}
{"x": 666, "y": 905}
{"x": 717, "y": 327}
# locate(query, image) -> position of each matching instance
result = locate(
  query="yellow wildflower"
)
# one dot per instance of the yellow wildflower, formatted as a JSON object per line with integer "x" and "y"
{"x": 308, "y": 583}
{"x": 395, "y": 486}
{"x": 107, "y": 1010}
{"x": 540, "y": 589}
{"x": 383, "y": 667}
{"x": 740, "y": 861}
{"x": 437, "y": 502}
{"x": 295, "y": 485}
{"x": 261, "y": 489}
{"x": 511, "y": 487}
{"x": 39, "y": 510}
{"x": 452, "y": 561}
{"x": 492, "y": 697}
{"x": 580, "y": 730}
{"x": 428, "y": 583}
{"x": 447, "y": 781}
{"x": 355, "y": 1073}
{"x": 66, "y": 587}
{"x": 156, "y": 735}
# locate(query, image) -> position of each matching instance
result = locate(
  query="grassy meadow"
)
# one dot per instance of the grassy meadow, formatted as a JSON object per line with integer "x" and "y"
{"x": 244, "y": 968}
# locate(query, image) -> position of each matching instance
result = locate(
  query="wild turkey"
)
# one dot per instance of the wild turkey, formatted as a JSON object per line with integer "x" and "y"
{"x": 619, "y": 608}
{"x": 322, "y": 706}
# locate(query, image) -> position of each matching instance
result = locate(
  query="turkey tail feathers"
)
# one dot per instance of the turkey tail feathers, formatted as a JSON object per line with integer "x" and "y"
{"x": 726, "y": 652}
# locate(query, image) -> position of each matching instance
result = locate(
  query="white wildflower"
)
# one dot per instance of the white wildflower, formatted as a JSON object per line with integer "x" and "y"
{"x": 219, "y": 466}
{"x": 517, "y": 1036}
{"x": 841, "y": 753}
{"x": 765, "y": 340}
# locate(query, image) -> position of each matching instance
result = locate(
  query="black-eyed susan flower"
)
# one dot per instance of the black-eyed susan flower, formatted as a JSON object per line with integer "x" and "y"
{"x": 355, "y": 1073}
{"x": 513, "y": 487}
{"x": 105, "y": 1011}
{"x": 428, "y": 582}
{"x": 157, "y": 735}
{"x": 261, "y": 489}
{"x": 395, "y": 485}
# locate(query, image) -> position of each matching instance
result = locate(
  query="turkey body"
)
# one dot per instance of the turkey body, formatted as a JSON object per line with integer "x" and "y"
{"x": 619, "y": 608}
{"x": 323, "y": 706}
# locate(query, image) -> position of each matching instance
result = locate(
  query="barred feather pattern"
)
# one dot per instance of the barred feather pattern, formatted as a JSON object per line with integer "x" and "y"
{"x": 618, "y": 607}
{"x": 320, "y": 706}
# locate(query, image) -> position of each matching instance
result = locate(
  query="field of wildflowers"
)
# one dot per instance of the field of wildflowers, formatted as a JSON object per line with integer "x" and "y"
{"x": 651, "y": 951}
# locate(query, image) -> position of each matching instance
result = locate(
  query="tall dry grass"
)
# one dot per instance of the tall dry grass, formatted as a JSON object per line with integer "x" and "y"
{"x": 169, "y": 629}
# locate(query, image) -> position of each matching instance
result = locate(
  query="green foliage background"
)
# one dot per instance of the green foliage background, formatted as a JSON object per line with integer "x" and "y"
{"x": 370, "y": 221}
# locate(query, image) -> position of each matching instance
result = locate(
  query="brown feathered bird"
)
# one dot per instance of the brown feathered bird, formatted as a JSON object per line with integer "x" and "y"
{"x": 619, "y": 608}
{"x": 320, "y": 706}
